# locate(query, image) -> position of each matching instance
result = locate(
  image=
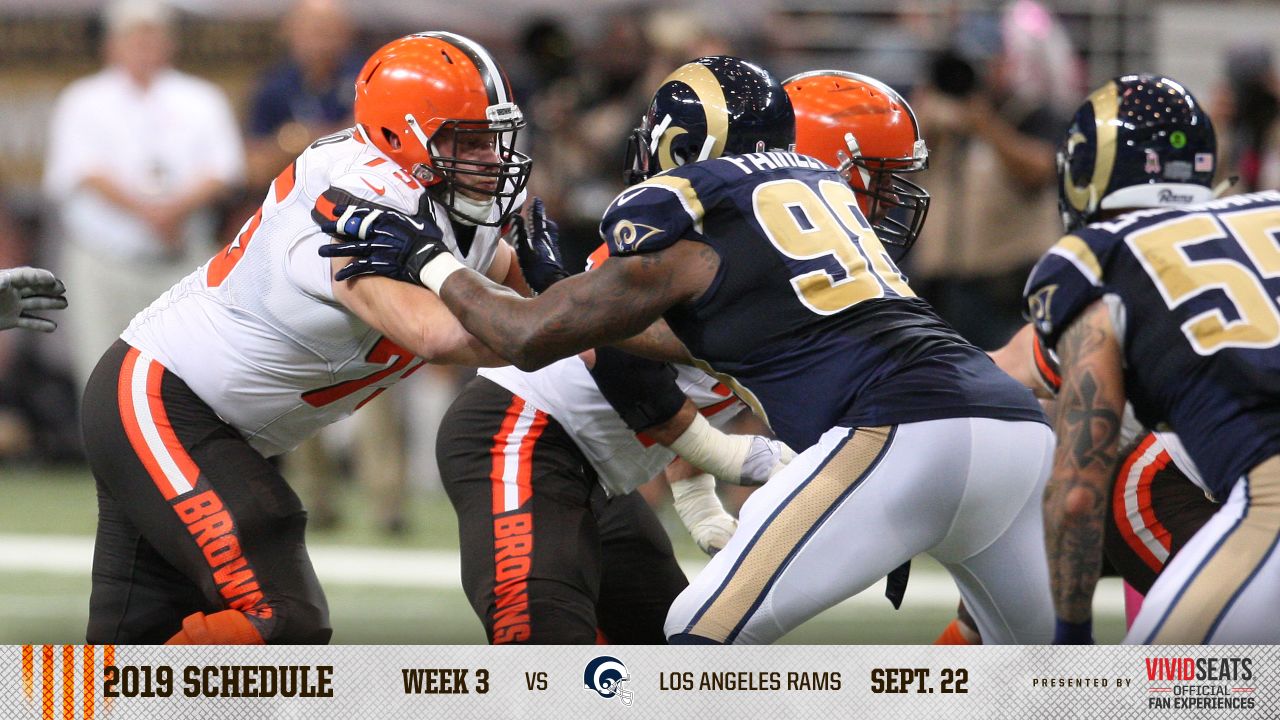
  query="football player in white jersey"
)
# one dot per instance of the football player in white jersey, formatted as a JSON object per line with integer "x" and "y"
{"x": 200, "y": 540}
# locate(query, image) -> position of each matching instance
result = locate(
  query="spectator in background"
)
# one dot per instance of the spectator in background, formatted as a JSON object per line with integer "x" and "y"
{"x": 139, "y": 155}
{"x": 635, "y": 51}
{"x": 1245, "y": 117}
{"x": 309, "y": 94}
{"x": 992, "y": 111}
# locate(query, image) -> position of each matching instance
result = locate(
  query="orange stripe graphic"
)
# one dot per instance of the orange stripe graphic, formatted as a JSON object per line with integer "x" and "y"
{"x": 285, "y": 182}
{"x": 499, "y": 452}
{"x": 90, "y": 681}
{"x": 68, "y": 682}
{"x": 129, "y": 418}
{"x": 28, "y": 670}
{"x": 524, "y": 473}
{"x": 1153, "y": 523}
{"x": 1121, "y": 513}
{"x": 46, "y": 682}
{"x": 160, "y": 417}
{"x": 108, "y": 658}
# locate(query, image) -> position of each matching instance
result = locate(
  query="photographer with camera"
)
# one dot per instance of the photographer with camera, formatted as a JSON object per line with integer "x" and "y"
{"x": 995, "y": 102}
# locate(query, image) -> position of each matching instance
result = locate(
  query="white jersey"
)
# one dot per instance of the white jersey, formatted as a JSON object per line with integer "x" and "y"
{"x": 256, "y": 332}
{"x": 566, "y": 391}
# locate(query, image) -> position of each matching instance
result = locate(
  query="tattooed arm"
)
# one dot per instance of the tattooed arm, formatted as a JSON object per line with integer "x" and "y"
{"x": 1087, "y": 422}
{"x": 621, "y": 298}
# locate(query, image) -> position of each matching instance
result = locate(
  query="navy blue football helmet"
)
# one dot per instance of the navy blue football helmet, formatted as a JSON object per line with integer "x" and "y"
{"x": 1139, "y": 141}
{"x": 707, "y": 108}
{"x": 605, "y": 675}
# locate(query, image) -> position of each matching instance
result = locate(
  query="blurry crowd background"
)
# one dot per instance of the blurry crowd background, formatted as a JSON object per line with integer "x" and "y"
{"x": 137, "y": 137}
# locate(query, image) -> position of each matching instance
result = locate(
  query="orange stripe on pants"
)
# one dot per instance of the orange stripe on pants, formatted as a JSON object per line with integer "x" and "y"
{"x": 499, "y": 451}
{"x": 1143, "y": 499}
{"x": 524, "y": 477}
{"x": 160, "y": 417}
{"x": 158, "y": 421}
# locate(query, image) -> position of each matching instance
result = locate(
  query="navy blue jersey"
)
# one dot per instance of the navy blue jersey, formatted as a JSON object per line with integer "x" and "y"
{"x": 807, "y": 319}
{"x": 1197, "y": 317}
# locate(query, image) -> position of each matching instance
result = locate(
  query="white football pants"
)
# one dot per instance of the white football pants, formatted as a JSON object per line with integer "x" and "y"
{"x": 863, "y": 501}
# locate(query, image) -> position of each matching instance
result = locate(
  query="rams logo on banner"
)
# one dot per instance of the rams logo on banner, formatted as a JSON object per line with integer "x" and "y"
{"x": 606, "y": 675}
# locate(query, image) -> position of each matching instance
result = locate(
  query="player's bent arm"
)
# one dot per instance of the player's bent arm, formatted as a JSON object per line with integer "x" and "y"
{"x": 618, "y": 300}
{"x": 1017, "y": 359}
{"x": 506, "y": 271}
{"x": 413, "y": 318}
{"x": 1087, "y": 422}
{"x": 748, "y": 460}
{"x": 657, "y": 342}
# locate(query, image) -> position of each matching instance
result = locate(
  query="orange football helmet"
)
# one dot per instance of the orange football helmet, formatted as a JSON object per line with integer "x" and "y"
{"x": 424, "y": 98}
{"x": 867, "y": 131}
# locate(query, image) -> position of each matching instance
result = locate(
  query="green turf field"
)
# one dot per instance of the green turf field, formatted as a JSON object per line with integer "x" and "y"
{"x": 407, "y": 592}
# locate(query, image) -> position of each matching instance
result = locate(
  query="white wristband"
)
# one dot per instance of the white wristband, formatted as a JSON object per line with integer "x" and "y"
{"x": 435, "y": 272}
{"x": 713, "y": 451}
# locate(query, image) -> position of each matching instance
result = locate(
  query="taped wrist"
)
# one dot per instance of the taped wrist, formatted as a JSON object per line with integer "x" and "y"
{"x": 642, "y": 391}
{"x": 713, "y": 451}
{"x": 701, "y": 512}
{"x": 437, "y": 270}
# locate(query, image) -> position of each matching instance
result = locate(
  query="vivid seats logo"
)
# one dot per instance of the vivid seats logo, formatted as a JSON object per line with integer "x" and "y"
{"x": 1206, "y": 683}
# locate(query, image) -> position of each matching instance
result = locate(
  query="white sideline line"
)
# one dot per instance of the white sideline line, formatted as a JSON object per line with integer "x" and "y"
{"x": 441, "y": 570}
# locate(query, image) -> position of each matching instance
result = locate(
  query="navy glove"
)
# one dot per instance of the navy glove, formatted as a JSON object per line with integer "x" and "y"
{"x": 383, "y": 241}
{"x": 538, "y": 248}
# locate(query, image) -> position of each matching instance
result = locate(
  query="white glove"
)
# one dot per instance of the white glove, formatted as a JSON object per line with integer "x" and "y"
{"x": 701, "y": 512}
{"x": 25, "y": 289}
{"x": 765, "y": 459}
{"x": 737, "y": 459}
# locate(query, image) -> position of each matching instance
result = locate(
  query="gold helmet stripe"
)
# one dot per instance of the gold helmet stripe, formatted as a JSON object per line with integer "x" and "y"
{"x": 704, "y": 84}
{"x": 1106, "y": 108}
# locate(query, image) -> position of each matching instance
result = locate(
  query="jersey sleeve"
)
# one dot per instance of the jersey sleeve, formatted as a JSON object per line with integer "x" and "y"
{"x": 1066, "y": 280}
{"x": 653, "y": 215}
{"x": 313, "y": 273}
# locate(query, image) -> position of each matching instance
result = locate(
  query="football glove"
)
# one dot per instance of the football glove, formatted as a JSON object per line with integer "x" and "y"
{"x": 739, "y": 459}
{"x": 765, "y": 458}
{"x": 538, "y": 248}
{"x": 383, "y": 241}
{"x": 25, "y": 289}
